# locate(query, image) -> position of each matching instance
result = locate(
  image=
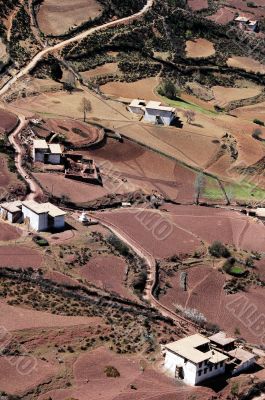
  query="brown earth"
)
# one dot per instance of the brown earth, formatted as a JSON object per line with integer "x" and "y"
{"x": 145, "y": 169}
{"x": 91, "y": 382}
{"x": 69, "y": 14}
{"x": 15, "y": 318}
{"x": 143, "y": 89}
{"x": 26, "y": 372}
{"x": 8, "y": 121}
{"x": 226, "y": 95}
{"x": 106, "y": 69}
{"x": 9, "y": 232}
{"x": 77, "y": 133}
{"x": 197, "y": 5}
{"x": 246, "y": 63}
{"x": 199, "y": 48}
{"x": 20, "y": 257}
{"x": 223, "y": 15}
{"x": 108, "y": 273}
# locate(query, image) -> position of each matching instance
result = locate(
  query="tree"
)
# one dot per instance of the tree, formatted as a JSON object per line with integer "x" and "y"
{"x": 217, "y": 249}
{"x": 190, "y": 116}
{"x": 56, "y": 71}
{"x": 69, "y": 84}
{"x": 85, "y": 107}
{"x": 168, "y": 89}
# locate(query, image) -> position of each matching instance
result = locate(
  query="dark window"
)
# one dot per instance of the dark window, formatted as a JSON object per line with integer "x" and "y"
{"x": 200, "y": 364}
{"x": 216, "y": 365}
{"x": 200, "y": 372}
{"x": 205, "y": 370}
{"x": 211, "y": 368}
{"x": 221, "y": 363}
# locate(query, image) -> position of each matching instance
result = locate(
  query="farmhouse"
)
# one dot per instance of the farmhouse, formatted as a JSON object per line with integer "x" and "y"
{"x": 84, "y": 170}
{"x": 46, "y": 153}
{"x": 245, "y": 23}
{"x": 41, "y": 217}
{"x": 193, "y": 360}
{"x": 153, "y": 111}
{"x": 196, "y": 358}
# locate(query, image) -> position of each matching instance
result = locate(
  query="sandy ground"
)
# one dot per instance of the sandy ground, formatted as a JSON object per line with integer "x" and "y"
{"x": 251, "y": 112}
{"x": 246, "y": 63}
{"x": 143, "y": 89}
{"x": 199, "y": 48}
{"x": 69, "y": 14}
{"x": 226, "y": 95}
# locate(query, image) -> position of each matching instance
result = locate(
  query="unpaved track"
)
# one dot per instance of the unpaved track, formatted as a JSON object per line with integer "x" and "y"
{"x": 80, "y": 36}
{"x": 35, "y": 190}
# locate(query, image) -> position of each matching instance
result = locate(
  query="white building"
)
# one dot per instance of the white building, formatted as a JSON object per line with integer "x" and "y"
{"x": 41, "y": 217}
{"x": 11, "y": 211}
{"x": 153, "y": 111}
{"x": 45, "y": 152}
{"x": 193, "y": 360}
{"x": 242, "y": 360}
{"x": 244, "y": 22}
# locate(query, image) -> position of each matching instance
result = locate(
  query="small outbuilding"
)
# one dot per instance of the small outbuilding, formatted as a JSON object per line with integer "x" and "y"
{"x": 241, "y": 359}
{"x": 11, "y": 211}
{"x": 48, "y": 153}
{"x": 222, "y": 341}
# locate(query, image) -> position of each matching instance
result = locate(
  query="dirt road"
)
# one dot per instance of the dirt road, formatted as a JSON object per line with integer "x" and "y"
{"x": 80, "y": 36}
{"x": 35, "y": 190}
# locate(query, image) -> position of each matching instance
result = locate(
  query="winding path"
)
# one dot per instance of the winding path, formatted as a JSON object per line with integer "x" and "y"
{"x": 80, "y": 36}
{"x": 35, "y": 190}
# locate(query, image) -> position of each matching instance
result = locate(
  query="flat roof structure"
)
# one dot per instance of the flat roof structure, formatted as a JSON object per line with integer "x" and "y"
{"x": 260, "y": 212}
{"x": 156, "y": 105}
{"x": 241, "y": 354}
{"x": 187, "y": 348}
{"x": 221, "y": 339}
{"x": 40, "y": 144}
{"x": 13, "y": 206}
{"x": 241, "y": 19}
{"x": 55, "y": 148}
{"x": 137, "y": 103}
{"x": 43, "y": 208}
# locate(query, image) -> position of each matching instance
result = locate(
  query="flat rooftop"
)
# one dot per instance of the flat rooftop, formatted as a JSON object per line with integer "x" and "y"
{"x": 13, "y": 206}
{"x": 221, "y": 338}
{"x": 40, "y": 144}
{"x": 42, "y": 208}
{"x": 55, "y": 148}
{"x": 156, "y": 105}
{"x": 187, "y": 348}
{"x": 241, "y": 354}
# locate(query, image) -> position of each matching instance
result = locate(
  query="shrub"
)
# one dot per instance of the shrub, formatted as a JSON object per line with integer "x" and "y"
{"x": 40, "y": 241}
{"x": 111, "y": 372}
{"x": 218, "y": 249}
{"x": 258, "y": 122}
{"x": 119, "y": 245}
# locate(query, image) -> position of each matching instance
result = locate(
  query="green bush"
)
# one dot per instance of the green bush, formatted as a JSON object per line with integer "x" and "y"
{"x": 40, "y": 241}
{"x": 218, "y": 249}
{"x": 258, "y": 122}
{"x": 168, "y": 89}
